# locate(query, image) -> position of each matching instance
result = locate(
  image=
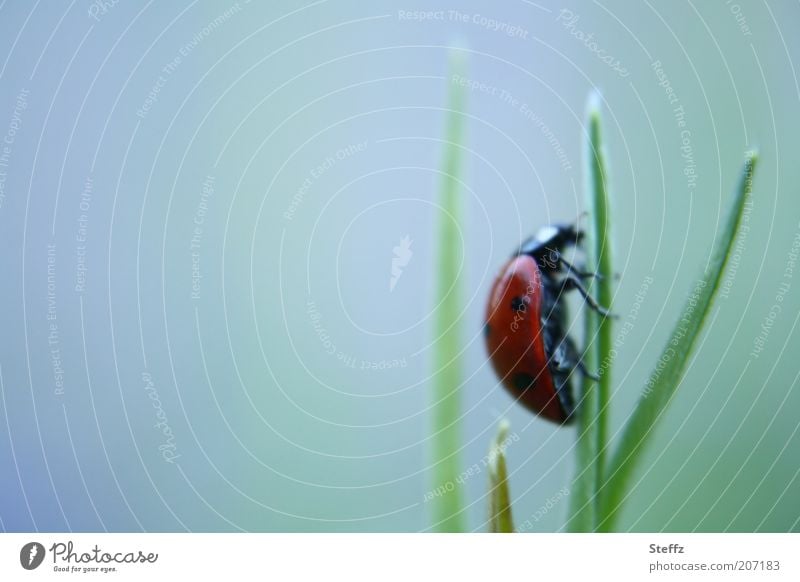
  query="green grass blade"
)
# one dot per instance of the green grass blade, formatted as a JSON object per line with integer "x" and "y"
{"x": 666, "y": 378}
{"x": 599, "y": 261}
{"x": 594, "y": 396}
{"x": 447, "y": 508}
{"x": 500, "y": 518}
{"x": 582, "y": 514}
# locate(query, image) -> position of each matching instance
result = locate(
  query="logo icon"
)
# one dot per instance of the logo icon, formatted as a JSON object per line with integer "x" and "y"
{"x": 402, "y": 255}
{"x": 31, "y": 555}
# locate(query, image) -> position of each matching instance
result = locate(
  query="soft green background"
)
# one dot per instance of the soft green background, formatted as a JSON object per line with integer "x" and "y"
{"x": 274, "y": 432}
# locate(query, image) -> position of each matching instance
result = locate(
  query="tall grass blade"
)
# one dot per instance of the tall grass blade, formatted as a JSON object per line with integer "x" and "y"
{"x": 592, "y": 423}
{"x": 599, "y": 261}
{"x": 447, "y": 508}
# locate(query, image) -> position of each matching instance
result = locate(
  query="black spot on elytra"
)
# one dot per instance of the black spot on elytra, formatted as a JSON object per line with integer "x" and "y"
{"x": 487, "y": 330}
{"x": 518, "y": 304}
{"x": 523, "y": 381}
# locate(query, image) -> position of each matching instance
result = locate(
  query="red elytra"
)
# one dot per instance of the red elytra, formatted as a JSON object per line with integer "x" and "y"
{"x": 515, "y": 338}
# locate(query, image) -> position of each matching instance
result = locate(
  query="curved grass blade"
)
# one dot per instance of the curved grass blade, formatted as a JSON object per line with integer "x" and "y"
{"x": 664, "y": 382}
{"x": 500, "y": 518}
{"x": 447, "y": 508}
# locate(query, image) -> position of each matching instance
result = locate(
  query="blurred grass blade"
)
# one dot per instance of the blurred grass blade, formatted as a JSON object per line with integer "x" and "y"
{"x": 597, "y": 331}
{"x": 446, "y": 442}
{"x": 500, "y": 518}
{"x": 666, "y": 378}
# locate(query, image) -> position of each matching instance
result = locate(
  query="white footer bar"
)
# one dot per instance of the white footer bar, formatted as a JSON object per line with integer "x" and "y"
{"x": 406, "y": 557}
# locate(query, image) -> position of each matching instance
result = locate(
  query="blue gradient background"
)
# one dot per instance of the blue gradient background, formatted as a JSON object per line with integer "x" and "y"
{"x": 273, "y": 432}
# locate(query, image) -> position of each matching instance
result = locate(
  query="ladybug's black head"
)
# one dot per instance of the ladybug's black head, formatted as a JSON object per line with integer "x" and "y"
{"x": 563, "y": 235}
{"x": 550, "y": 238}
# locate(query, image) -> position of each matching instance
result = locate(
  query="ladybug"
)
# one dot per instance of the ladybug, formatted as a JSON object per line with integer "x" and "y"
{"x": 525, "y": 329}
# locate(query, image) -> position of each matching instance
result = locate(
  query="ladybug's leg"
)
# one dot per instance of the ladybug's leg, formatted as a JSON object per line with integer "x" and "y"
{"x": 569, "y": 359}
{"x": 564, "y": 395}
{"x": 577, "y": 272}
{"x": 571, "y": 281}
{"x": 563, "y": 385}
{"x": 563, "y": 359}
{"x": 587, "y": 373}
